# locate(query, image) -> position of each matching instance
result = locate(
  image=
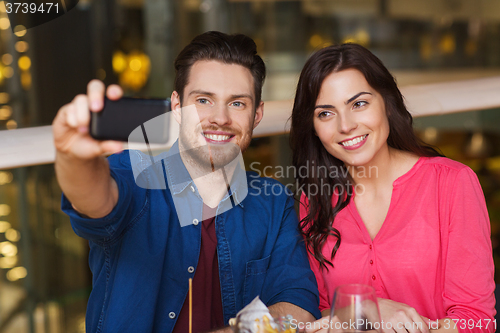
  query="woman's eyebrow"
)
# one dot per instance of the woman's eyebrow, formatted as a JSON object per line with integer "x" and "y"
{"x": 328, "y": 106}
{"x": 356, "y": 96}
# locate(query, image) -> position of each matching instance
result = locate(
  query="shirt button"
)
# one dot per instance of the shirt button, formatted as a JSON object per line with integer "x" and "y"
{"x": 171, "y": 315}
{"x": 370, "y": 246}
{"x": 195, "y": 221}
{"x": 192, "y": 188}
{"x": 371, "y": 262}
{"x": 373, "y": 277}
{"x": 190, "y": 270}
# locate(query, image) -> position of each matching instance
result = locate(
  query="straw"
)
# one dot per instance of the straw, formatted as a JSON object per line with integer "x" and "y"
{"x": 190, "y": 305}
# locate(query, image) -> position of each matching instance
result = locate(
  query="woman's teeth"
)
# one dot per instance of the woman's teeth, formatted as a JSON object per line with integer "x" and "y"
{"x": 215, "y": 137}
{"x": 353, "y": 141}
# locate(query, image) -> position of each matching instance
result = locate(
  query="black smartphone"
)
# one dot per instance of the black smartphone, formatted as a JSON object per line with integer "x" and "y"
{"x": 132, "y": 119}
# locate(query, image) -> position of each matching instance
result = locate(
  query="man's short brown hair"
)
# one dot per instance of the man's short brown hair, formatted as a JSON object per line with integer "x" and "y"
{"x": 229, "y": 49}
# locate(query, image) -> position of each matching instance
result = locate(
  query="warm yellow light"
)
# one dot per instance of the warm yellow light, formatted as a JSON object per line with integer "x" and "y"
{"x": 4, "y": 226}
{"x": 349, "y": 40}
{"x": 13, "y": 235}
{"x": 24, "y": 63}
{"x": 7, "y": 59}
{"x": 119, "y": 62}
{"x": 8, "y": 262}
{"x": 8, "y": 249}
{"x": 4, "y": 23}
{"x": 5, "y": 112}
{"x": 135, "y": 64}
{"x": 315, "y": 40}
{"x": 17, "y": 273}
{"x": 447, "y": 44}
{"x": 20, "y": 30}
{"x": 11, "y": 124}
{"x": 26, "y": 80}
{"x": 4, "y": 98}
{"x": 21, "y": 46}
{"x": 5, "y": 177}
{"x": 363, "y": 37}
{"x": 2, "y": 7}
{"x": 4, "y": 209}
{"x": 8, "y": 72}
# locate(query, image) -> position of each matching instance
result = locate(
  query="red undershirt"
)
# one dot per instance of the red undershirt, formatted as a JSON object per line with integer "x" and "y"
{"x": 207, "y": 300}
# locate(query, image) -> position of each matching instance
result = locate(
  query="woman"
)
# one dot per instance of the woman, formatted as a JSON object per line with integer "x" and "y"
{"x": 382, "y": 208}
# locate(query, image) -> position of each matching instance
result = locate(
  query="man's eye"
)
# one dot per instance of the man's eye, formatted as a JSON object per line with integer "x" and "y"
{"x": 238, "y": 104}
{"x": 203, "y": 101}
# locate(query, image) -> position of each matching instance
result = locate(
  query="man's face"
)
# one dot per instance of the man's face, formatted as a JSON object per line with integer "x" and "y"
{"x": 217, "y": 114}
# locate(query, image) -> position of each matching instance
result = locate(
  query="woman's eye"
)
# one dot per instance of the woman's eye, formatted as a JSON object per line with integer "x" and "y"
{"x": 359, "y": 104}
{"x": 323, "y": 114}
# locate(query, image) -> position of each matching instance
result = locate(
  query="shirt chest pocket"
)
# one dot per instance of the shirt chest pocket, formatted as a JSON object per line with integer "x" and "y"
{"x": 255, "y": 277}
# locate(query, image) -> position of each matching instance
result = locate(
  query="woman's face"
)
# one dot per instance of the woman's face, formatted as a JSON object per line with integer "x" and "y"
{"x": 350, "y": 118}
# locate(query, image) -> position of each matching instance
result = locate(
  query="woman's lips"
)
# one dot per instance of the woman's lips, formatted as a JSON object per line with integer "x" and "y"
{"x": 354, "y": 143}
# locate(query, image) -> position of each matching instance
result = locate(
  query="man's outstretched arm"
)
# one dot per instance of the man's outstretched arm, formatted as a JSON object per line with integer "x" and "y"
{"x": 82, "y": 170}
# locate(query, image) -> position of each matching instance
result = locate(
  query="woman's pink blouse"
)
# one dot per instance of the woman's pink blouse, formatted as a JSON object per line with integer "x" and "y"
{"x": 433, "y": 251}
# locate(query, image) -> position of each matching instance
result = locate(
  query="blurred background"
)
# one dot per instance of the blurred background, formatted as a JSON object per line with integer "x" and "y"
{"x": 44, "y": 275}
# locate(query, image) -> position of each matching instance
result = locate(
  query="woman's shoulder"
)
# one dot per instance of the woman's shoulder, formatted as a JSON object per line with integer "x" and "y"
{"x": 444, "y": 162}
{"x": 446, "y": 170}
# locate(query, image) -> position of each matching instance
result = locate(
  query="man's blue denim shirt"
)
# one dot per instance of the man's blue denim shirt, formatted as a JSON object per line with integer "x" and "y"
{"x": 141, "y": 258}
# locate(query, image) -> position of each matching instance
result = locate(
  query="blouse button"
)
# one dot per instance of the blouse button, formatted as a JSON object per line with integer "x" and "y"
{"x": 171, "y": 315}
{"x": 373, "y": 277}
{"x": 190, "y": 269}
{"x": 371, "y": 262}
{"x": 370, "y": 246}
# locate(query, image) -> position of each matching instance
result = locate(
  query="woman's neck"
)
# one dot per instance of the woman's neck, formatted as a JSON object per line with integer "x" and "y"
{"x": 387, "y": 166}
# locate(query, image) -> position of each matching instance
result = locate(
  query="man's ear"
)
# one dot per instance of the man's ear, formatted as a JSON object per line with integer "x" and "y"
{"x": 259, "y": 113}
{"x": 175, "y": 102}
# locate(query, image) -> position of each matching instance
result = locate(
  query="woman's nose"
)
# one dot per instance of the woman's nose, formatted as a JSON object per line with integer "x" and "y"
{"x": 347, "y": 124}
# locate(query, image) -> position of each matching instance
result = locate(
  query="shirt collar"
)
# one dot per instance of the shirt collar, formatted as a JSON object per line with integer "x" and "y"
{"x": 179, "y": 178}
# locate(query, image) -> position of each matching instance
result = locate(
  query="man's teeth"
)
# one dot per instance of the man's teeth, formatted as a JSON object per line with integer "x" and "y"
{"x": 215, "y": 137}
{"x": 353, "y": 141}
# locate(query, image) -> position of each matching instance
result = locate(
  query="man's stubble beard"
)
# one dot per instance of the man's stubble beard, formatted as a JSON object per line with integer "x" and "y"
{"x": 210, "y": 157}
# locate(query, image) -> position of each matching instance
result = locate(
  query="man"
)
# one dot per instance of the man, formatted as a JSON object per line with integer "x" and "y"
{"x": 141, "y": 255}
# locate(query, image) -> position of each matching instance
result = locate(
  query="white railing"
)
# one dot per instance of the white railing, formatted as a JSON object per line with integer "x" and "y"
{"x": 32, "y": 146}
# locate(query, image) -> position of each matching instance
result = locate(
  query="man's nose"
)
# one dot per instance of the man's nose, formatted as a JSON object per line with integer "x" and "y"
{"x": 220, "y": 115}
{"x": 347, "y": 123}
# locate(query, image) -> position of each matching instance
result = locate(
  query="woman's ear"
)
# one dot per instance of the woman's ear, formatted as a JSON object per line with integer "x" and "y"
{"x": 175, "y": 102}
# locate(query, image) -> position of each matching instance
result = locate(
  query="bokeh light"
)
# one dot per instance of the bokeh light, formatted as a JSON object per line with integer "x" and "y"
{"x": 17, "y": 273}
{"x": 5, "y": 177}
{"x": 20, "y": 30}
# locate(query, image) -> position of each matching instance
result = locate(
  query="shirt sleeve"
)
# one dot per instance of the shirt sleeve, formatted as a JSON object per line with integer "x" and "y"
{"x": 323, "y": 290}
{"x": 131, "y": 201}
{"x": 289, "y": 268}
{"x": 469, "y": 275}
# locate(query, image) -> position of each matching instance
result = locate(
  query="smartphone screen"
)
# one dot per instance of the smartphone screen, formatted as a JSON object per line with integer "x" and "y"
{"x": 132, "y": 119}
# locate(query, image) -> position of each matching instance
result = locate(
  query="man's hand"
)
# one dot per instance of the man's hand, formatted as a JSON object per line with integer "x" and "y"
{"x": 82, "y": 170}
{"x": 283, "y": 309}
{"x": 70, "y": 126}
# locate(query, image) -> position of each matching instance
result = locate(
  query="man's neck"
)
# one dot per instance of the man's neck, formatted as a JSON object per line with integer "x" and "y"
{"x": 212, "y": 182}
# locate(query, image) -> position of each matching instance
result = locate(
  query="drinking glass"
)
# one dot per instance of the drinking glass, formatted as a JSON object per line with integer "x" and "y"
{"x": 356, "y": 307}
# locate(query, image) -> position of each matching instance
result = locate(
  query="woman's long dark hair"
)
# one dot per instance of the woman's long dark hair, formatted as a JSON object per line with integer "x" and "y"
{"x": 308, "y": 151}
